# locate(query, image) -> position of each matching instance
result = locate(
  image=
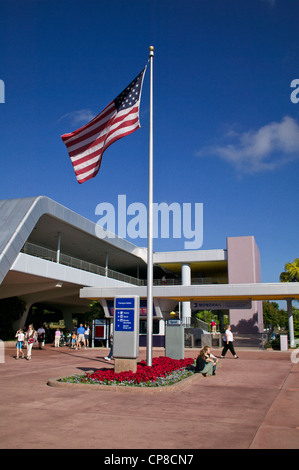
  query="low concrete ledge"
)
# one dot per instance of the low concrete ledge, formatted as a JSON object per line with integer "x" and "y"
{"x": 177, "y": 387}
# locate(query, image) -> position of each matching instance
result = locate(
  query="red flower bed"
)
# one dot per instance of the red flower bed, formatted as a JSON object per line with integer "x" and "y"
{"x": 161, "y": 367}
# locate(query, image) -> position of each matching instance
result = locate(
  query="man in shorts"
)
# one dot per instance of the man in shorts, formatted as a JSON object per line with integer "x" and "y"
{"x": 81, "y": 337}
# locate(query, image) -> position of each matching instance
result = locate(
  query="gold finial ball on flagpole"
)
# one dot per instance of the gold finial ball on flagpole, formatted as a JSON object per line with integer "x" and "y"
{"x": 151, "y": 49}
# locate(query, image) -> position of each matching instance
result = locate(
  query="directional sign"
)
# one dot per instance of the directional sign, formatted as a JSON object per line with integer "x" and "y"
{"x": 126, "y": 327}
{"x": 124, "y": 320}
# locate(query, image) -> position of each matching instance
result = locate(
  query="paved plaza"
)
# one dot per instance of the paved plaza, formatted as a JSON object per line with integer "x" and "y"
{"x": 251, "y": 403}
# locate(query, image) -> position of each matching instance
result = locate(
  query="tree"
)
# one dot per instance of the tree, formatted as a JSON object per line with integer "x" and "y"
{"x": 207, "y": 316}
{"x": 273, "y": 316}
{"x": 95, "y": 311}
{"x": 296, "y": 321}
{"x": 291, "y": 272}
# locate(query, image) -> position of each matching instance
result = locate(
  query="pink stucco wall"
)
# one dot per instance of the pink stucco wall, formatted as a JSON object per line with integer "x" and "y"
{"x": 244, "y": 266}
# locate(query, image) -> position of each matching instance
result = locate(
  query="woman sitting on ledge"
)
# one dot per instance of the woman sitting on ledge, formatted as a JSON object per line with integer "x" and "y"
{"x": 206, "y": 363}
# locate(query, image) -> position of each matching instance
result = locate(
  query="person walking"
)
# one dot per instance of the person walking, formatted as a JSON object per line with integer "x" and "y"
{"x": 228, "y": 343}
{"x": 108, "y": 358}
{"x": 30, "y": 338}
{"x": 21, "y": 337}
{"x": 57, "y": 338}
{"x": 86, "y": 335}
{"x": 41, "y": 337}
{"x": 81, "y": 338}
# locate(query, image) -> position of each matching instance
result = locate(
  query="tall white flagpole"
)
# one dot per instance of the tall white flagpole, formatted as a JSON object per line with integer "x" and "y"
{"x": 150, "y": 225}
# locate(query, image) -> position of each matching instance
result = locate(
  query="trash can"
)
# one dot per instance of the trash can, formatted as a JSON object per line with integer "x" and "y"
{"x": 284, "y": 343}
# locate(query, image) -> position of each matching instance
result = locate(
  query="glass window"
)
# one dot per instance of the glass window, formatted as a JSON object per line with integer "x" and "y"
{"x": 142, "y": 327}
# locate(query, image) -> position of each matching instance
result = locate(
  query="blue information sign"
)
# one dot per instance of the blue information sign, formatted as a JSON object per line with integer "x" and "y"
{"x": 126, "y": 327}
{"x": 125, "y": 302}
{"x": 124, "y": 320}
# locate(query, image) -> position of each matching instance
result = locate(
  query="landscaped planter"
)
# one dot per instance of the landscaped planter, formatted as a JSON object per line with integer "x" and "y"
{"x": 165, "y": 373}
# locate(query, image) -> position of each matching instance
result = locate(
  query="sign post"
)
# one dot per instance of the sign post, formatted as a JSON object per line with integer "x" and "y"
{"x": 126, "y": 333}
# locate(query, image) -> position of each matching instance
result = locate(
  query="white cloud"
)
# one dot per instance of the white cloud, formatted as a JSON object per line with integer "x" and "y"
{"x": 79, "y": 117}
{"x": 267, "y": 148}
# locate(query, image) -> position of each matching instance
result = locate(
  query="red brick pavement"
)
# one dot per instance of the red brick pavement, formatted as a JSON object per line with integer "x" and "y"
{"x": 251, "y": 403}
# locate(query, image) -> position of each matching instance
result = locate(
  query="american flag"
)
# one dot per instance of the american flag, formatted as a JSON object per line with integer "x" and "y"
{"x": 120, "y": 118}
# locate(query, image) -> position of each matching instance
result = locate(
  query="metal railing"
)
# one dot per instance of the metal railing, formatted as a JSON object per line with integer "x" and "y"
{"x": 51, "y": 255}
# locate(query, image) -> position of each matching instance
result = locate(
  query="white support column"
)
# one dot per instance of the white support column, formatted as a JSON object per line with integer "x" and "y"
{"x": 106, "y": 266}
{"x": 58, "y": 248}
{"x": 186, "y": 307}
{"x": 291, "y": 323}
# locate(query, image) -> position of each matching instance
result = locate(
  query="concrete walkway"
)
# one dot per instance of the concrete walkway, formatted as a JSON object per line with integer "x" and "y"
{"x": 251, "y": 403}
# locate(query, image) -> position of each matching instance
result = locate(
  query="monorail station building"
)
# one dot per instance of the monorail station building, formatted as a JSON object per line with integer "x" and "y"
{"x": 53, "y": 256}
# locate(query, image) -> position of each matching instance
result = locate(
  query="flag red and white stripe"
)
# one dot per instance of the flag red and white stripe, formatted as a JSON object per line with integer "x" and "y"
{"x": 120, "y": 118}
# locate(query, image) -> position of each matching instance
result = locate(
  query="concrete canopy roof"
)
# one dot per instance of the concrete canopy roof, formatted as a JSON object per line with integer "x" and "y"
{"x": 39, "y": 219}
{"x": 259, "y": 291}
{"x": 207, "y": 261}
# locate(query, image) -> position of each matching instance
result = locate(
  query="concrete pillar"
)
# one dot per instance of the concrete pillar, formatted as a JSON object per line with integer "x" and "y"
{"x": 291, "y": 323}
{"x": 22, "y": 321}
{"x": 186, "y": 307}
{"x": 58, "y": 248}
{"x": 106, "y": 265}
{"x": 68, "y": 320}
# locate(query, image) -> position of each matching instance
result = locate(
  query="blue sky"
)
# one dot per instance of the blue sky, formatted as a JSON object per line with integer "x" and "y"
{"x": 226, "y": 133}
